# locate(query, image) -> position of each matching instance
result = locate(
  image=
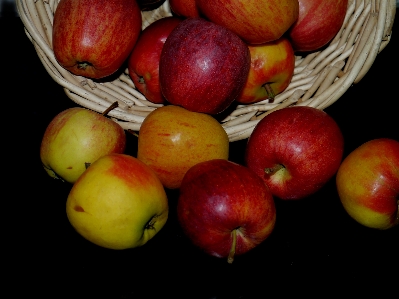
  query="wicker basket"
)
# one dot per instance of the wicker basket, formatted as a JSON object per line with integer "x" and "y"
{"x": 320, "y": 78}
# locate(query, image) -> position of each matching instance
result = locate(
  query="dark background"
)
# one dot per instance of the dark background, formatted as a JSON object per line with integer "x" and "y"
{"x": 315, "y": 248}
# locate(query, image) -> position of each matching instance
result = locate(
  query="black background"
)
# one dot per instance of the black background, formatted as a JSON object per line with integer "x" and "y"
{"x": 314, "y": 250}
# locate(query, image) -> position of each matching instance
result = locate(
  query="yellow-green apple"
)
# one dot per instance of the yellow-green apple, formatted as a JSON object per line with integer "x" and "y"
{"x": 255, "y": 21}
{"x": 368, "y": 183}
{"x": 172, "y": 139}
{"x": 75, "y": 138}
{"x": 118, "y": 203}
{"x": 272, "y": 68}
{"x": 295, "y": 150}
{"x": 184, "y": 8}
{"x": 224, "y": 208}
{"x": 203, "y": 66}
{"x": 93, "y": 38}
{"x": 317, "y": 24}
{"x": 143, "y": 62}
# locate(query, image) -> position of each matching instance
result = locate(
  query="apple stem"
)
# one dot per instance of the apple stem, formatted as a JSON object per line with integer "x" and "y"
{"x": 232, "y": 252}
{"x": 270, "y": 92}
{"x": 113, "y": 106}
{"x": 272, "y": 170}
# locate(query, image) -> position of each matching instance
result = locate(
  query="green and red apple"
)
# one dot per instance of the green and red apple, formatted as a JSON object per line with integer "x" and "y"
{"x": 225, "y": 209}
{"x": 295, "y": 150}
{"x": 368, "y": 183}
{"x": 75, "y": 138}
{"x": 271, "y": 71}
{"x": 143, "y": 62}
{"x": 172, "y": 139}
{"x": 255, "y": 21}
{"x": 93, "y": 38}
{"x": 118, "y": 203}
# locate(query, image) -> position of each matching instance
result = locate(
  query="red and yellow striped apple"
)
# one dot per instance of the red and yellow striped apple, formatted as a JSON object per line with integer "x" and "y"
{"x": 255, "y": 21}
{"x": 225, "y": 209}
{"x": 75, "y": 138}
{"x": 93, "y": 38}
{"x": 271, "y": 71}
{"x": 172, "y": 139}
{"x": 185, "y": 8}
{"x": 118, "y": 203}
{"x": 317, "y": 24}
{"x": 368, "y": 183}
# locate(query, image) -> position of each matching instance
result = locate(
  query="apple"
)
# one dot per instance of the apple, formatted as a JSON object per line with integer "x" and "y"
{"x": 143, "y": 62}
{"x": 118, "y": 203}
{"x": 271, "y": 71}
{"x": 184, "y": 8}
{"x": 368, "y": 183}
{"x": 93, "y": 38}
{"x": 255, "y": 21}
{"x": 172, "y": 139}
{"x": 203, "y": 66}
{"x": 224, "y": 208}
{"x": 317, "y": 24}
{"x": 295, "y": 150}
{"x": 75, "y": 138}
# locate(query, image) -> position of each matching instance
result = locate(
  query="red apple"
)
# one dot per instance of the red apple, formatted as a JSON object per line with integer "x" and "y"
{"x": 295, "y": 150}
{"x": 93, "y": 38}
{"x": 184, "y": 8}
{"x": 224, "y": 208}
{"x": 272, "y": 68}
{"x": 255, "y": 21}
{"x": 203, "y": 66}
{"x": 318, "y": 22}
{"x": 368, "y": 183}
{"x": 143, "y": 62}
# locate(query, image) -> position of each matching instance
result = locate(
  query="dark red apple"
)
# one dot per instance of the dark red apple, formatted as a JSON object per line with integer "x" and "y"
{"x": 203, "y": 66}
{"x": 224, "y": 208}
{"x": 318, "y": 23}
{"x": 143, "y": 62}
{"x": 93, "y": 38}
{"x": 184, "y": 8}
{"x": 295, "y": 150}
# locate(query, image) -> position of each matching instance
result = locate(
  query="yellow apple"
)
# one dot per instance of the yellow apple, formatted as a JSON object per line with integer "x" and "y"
{"x": 172, "y": 139}
{"x": 77, "y": 137}
{"x": 117, "y": 203}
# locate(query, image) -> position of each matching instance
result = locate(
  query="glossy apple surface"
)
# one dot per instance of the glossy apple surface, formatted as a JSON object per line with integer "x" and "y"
{"x": 118, "y": 203}
{"x": 143, "y": 62}
{"x": 77, "y": 137}
{"x": 93, "y": 38}
{"x": 295, "y": 150}
{"x": 172, "y": 139}
{"x": 318, "y": 23}
{"x": 368, "y": 183}
{"x": 184, "y": 8}
{"x": 255, "y": 21}
{"x": 203, "y": 66}
{"x": 225, "y": 209}
{"x": 271, "y": 71}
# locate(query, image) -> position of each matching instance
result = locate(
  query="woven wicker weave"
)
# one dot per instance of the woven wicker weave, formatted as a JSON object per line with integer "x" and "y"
{"x": 320, "y": 78}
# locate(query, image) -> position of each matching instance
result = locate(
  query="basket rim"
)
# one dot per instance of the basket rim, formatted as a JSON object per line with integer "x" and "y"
{"x": 320, "y": 78}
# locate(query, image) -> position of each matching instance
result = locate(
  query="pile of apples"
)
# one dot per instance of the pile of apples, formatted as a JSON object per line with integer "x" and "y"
{"x": 197, "y": 63}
